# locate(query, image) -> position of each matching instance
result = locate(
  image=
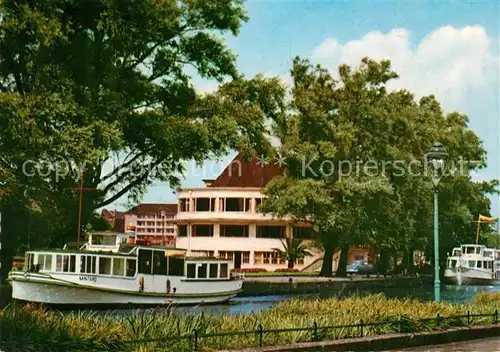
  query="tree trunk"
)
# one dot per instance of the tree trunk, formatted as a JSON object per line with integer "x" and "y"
{"x": 291, "y": 263}
{"x": 326, "y": 268}
{"x": 383, "y": 262}
{"x": 342, "y": 267}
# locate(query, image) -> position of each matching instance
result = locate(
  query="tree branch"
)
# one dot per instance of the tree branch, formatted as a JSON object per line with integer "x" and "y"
{"x": 123, "y": 166}
{"x": 127, "y": 188}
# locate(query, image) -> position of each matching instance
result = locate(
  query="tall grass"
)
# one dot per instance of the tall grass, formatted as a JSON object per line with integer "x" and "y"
{"x": 31, "y": 328}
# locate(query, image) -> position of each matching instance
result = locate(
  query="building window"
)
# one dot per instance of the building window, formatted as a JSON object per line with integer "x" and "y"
{"x": 304, "y": 233}
{"x": 203, "y": 230}
{"x": 245, "y": 258}
{"x": 258, "y": 202}
{"x": 182, "y": 230}
{"x": 202, "y": 253}
{"x": 184, "y": 204}
{"x": 247, "y": 204}
{"x": 299, "y": 261}
{"x": 226, "y": 255}
{"x": 359, "y": 257}
{"x": 235, "y": 204}
{"x": 234, "y": 230}
{"x": 271, "y": 231}
{"x": 205, "y": 204}
{"x": 268, "y": 258}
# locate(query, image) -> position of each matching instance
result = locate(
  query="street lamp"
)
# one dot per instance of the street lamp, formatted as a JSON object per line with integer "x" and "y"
{"x": 436, "y": 158}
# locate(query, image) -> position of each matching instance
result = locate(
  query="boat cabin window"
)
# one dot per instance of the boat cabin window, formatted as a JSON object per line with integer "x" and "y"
{"x": 213, "y": 271}
{"x": 469, "y": 250}
{"x": 457, "y": 252}
{"x": 478, "y": 250}
{"x": 131, "y": 267}
{"x": 191, "y": 271}
{"x": 145, "y": 258}
{"x": 45, "y": 262}
{"x": 452, "y": 263}
{"x": 223, "y": 272}
{"x": 29, "y": 261}
{"x": 66, "y": 263}
{"x": 488, "y": 254}
{"x": 103, "y": 240}
{"x": 88, "y": 264}
{"x": 105, "y": 265}
{"x": 119, "y": 266}
{"x": 159, "y": 263}
{"x": 202, "y": 271}
{"x": 175, "y": 266}
{"x": 479, "y": 264}
{"x": 472, "y": 263}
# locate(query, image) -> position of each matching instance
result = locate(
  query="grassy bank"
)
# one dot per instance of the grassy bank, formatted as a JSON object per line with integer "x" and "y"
{"x": 31, "y": 328}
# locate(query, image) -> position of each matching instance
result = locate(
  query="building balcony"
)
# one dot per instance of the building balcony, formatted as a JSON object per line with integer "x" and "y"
{"x": 213, "y": 216}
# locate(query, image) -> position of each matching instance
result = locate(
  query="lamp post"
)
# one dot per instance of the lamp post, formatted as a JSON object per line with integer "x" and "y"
{"x": 436, "y": 158}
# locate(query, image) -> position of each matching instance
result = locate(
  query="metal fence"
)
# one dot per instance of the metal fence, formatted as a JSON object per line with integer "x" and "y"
{"x": 400, "y": 325}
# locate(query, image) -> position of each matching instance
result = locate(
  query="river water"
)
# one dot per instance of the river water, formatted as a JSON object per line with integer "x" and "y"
{"x": 247, "y": 305}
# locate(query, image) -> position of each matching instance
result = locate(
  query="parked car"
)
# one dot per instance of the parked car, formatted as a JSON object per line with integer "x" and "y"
{"x": 361, "y": 267}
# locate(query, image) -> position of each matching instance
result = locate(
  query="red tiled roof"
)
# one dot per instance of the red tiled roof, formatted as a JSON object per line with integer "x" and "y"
{"x": 251, "y": 173}
{"x": 153, "y": 208}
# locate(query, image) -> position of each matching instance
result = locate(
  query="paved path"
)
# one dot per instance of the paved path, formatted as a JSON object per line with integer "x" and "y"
{"x": 485, "y": 345}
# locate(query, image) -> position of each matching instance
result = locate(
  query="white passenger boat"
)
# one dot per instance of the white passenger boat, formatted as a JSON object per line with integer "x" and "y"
{"x": 472, "y": 264}
{"x": 109, "y": 271}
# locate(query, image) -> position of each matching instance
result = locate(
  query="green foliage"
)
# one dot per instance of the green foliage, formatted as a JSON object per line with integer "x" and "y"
{"x": 88, "y": 84}
{"x": 31, "y": 329}
{"x": 355, "y": 161}
{"x": 293, "y": 249}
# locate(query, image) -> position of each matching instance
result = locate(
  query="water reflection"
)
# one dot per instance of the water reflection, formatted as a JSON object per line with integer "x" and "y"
{"x": 248, "y": 305}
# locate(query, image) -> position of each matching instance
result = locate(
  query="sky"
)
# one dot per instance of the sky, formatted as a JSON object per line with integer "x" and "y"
{"x": 446, "y": 48}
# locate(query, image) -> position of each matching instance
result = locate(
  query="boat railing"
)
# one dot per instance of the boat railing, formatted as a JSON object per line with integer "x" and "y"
{"x": 237, "y": 276}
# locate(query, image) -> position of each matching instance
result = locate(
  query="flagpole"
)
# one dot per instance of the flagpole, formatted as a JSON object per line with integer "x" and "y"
{"x": 80, "y": 207}
{"x": 477, "y": 231}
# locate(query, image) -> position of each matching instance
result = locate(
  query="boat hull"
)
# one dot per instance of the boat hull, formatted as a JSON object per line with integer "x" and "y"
{"x": 468, "y": 277}
{"x": 57, "y": 293}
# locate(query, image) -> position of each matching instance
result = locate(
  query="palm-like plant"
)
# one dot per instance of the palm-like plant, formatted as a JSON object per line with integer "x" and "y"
{"x": 293, "y": 249}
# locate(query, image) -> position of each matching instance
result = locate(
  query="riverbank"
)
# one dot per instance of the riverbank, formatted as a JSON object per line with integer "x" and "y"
{"x": 289, "y": 322}
{"x": 284, "y": 285}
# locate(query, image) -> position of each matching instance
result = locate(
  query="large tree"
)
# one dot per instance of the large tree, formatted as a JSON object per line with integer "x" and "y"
{"x": 355, "y": 167}
{"x": 86, "y": 82}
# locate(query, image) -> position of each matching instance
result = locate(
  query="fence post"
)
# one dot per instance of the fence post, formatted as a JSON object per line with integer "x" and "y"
{"x": 468, "y": 318}
{"x": 260, "y": 331}
{"x": 315, "y": 331}
{"x": 195, "y": 336}
{"x": 361, "y": 328}
{"x": 496, "y": 316}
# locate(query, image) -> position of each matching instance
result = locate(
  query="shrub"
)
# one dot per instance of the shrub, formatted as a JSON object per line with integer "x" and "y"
{"x": 250, "y": 270}
{"x": 286, "y": 270}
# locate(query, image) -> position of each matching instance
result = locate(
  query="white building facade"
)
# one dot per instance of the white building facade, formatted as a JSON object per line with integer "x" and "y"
{"x": 224, "y": 222}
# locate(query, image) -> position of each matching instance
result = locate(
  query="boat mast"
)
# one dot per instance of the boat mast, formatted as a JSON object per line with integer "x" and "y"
{"x": 80, "y": 206}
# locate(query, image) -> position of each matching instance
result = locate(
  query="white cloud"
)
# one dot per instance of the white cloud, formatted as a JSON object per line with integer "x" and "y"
{"x": 448, "y": 62}
{"x": 460, "y": 66}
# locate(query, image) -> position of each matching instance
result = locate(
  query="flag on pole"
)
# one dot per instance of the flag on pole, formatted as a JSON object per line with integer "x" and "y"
{"x": 486, "y": 219}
